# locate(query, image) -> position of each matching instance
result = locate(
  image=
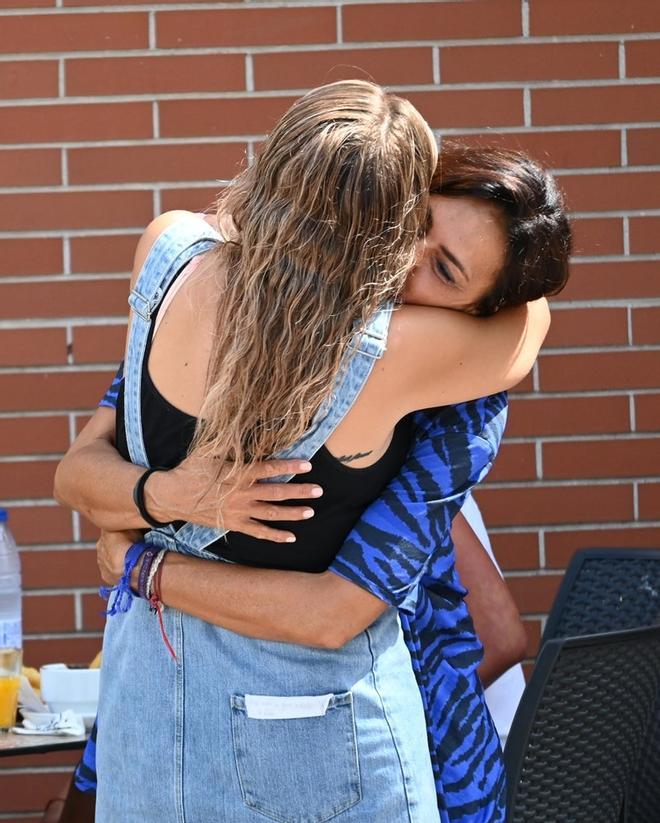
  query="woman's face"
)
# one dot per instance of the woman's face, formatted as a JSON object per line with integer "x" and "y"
{"x": 461, "y": 255}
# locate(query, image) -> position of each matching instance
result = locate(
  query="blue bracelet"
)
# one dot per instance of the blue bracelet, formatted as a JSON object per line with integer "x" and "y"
{"x": 123, "y": 596}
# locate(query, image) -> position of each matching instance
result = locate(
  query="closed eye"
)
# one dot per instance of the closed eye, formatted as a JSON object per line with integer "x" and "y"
{"x": 443, "y": 271}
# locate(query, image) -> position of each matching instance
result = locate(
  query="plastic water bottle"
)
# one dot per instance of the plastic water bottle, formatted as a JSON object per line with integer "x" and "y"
{"x": 11, "y": 636}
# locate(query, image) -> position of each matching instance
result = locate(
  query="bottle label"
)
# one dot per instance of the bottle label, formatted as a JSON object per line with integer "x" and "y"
{"x": 11, "y": 636}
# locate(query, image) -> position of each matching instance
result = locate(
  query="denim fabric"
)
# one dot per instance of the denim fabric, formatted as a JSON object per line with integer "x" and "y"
{"x": 219, "y": 735}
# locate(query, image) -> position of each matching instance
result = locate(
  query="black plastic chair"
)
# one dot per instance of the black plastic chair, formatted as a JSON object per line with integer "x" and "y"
{"x": 608, "y": 590}
{"x": 577, "y": 735}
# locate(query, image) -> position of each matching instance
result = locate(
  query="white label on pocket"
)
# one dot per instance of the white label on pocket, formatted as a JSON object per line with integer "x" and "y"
{"x": 267, "y": 707}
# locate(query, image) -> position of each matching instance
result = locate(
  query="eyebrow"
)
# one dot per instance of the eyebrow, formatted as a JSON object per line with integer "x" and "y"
{"x": 455, "y": 261}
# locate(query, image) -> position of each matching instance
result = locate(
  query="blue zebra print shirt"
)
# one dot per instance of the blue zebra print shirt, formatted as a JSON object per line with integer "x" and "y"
{"x": 401, "y": 551}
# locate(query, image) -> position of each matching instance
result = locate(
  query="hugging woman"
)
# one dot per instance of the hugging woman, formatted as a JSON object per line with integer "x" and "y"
{"x": 296, "y": 693}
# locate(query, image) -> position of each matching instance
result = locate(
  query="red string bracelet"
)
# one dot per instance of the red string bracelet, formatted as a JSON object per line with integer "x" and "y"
{"x": 157, "y": 604}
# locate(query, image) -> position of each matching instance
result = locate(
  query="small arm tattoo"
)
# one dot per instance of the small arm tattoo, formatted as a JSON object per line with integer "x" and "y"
{"x": 348, "y": 458}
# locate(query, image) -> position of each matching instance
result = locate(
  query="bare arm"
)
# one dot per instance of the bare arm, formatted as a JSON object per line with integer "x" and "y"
{"x": 95, "y": 480}
{"x": 439, "y": 357}
{"x": 492, "y": 608}
{"x": 322, "y": 610}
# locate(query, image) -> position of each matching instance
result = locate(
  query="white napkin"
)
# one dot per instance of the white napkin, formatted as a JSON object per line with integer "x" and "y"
{"x": 64, "y": 723}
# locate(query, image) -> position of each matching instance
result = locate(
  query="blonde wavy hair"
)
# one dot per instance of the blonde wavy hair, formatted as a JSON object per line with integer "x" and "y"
{"x": 326, "y": 221}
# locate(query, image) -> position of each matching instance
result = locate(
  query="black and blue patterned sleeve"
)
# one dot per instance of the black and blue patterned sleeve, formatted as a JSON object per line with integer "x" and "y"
{"x": 390, "y": 548}
{"x": 109, "y": 399}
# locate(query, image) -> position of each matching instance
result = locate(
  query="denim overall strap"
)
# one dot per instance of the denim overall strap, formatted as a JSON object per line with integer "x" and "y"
{"x": 172, "y": 249}
{"x": 358, "y": 361}
{"x": 179, "y": 243}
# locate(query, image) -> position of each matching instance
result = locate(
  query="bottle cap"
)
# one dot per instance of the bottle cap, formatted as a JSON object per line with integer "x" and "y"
{"x": 4, "y": 515}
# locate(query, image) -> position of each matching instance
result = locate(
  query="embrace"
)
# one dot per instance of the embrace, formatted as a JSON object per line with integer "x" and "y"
{"x": 352, "y": 312}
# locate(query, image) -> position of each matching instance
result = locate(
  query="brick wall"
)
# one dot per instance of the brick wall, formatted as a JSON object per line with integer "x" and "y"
{"x": 114, "y": 112}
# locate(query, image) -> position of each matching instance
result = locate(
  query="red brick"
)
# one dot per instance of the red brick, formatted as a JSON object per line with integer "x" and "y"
{"x": 424, "y": 21}
{"x": 525, "y": 385}
{"x": 99, "y": 344}
{"x": 537, "y": 61}
{"x": 195, "y": 199}
{"x": 304, "y": 69}
{"x": 28, "y": 78}
{"x": 601, "y": 458}
{"x": 647, "y": 412}
{"x": 16, "y": 4}
{"x": 23, "y": 792}
{"x": 515, "y": 461}
{"x": 533, "y": 631}
{"x": 532, "y": 505}
{"x": 595, "y": 104}
{"x": 88, "y": 531}
{"x": 534, "y": 593}
{"x": 81, "y": 420}
{"x": 588, "y": 327}
{"x": 644, "y": 234}
{"x": 246, "y": 27}
{"x": 34, "y": 435}
{"x": 64, "y": 122}
{"x": 71, "y": 649}
{"x": 211, "y": 118}
{"x": 96, "y": 298}
{"x": 60, "y": 569}
{"x": 32, "y": 347}
{"x": 592, "y": 16}
{"x": 25, "y": 479}
{"x": 612, "y": 281}
{"x": 38, "y": 255}
{"x": 561, "y": 546}
{"x": 643, "y": 146}
{"x": 75, "y": 210}
{"x": 53, "y": 390}
{"x": 74, "y": 32}
{"x": 40, "y": 524}
{"x": 457, "y": 109}
{"x": 534, "y": 417}
{"x": 516, "y": 550}
{"x": 93, "y": 616}
{"x": 646, "y": 325}
{"x": 136, "y": 2}
{"x": 155, "y": 75}
{"x": 156, "y": 163}
{"x": 613, "y": 370}
{"x": 48, "y": 613}
{"x": 649, "y": 501}
{"x": 643, "y": 58}
{"x": 558, "y": 149}
{"x": 103, "y": 253}
{"x": 595, "y": 236}
{"x": 30, "y": 167}
{"x": 607, "y": 191}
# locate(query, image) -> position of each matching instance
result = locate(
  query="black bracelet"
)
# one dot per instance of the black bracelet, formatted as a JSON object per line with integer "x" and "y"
{"x": 138, "y": 497}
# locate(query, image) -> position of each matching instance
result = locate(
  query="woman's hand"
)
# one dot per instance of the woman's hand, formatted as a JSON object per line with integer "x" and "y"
{"x": 191, "y": 493}
{"x": 111, "y": 549}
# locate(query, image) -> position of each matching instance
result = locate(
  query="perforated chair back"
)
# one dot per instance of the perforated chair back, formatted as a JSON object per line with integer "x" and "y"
{"x": 578, "y": 732}
{"x": 606, "y": 590}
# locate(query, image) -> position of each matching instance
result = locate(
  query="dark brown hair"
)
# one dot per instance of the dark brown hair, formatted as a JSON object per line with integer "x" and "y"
{"x": 538, "y": 230}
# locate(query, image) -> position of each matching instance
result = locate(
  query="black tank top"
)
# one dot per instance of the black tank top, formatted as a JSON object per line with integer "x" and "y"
{"x": 168, "y": 432}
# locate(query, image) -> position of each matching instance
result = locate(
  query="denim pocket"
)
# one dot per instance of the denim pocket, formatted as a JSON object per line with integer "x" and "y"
{"x": 297, "y": 769}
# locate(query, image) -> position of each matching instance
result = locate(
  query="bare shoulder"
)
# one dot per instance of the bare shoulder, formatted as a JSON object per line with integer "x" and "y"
{"x": 148, "y": 238}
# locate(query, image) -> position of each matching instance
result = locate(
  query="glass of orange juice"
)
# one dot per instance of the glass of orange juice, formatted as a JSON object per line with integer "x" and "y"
{"x": 10, "y": 680}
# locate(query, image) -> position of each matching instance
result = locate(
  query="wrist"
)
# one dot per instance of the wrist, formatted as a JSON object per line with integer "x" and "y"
{"x": 159, "y": 498}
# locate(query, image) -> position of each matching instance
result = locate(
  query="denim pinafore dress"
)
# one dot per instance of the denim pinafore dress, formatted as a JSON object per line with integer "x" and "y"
{"x": 241, "y": 730}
